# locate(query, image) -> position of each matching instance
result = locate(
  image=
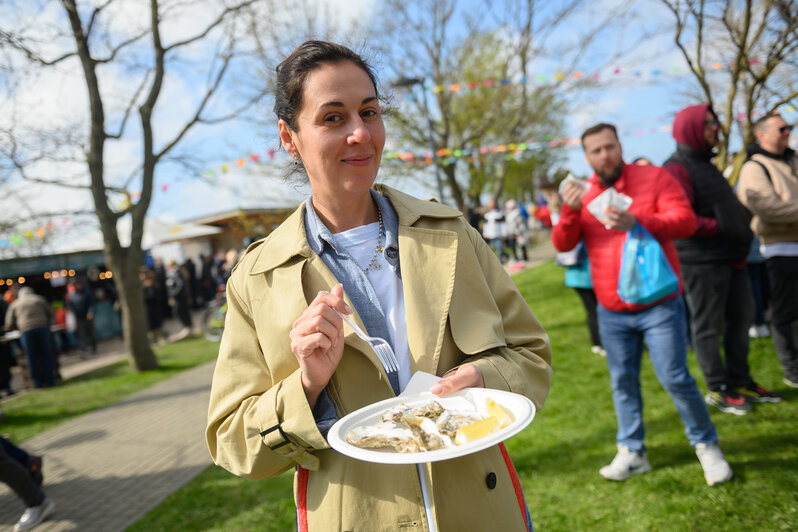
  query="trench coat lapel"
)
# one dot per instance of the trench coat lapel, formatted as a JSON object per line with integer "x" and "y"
{"x": 289, "y": 238}
{"x": 428, "y": 259}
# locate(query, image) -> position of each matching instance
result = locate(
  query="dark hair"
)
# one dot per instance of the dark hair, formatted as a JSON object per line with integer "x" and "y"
{"x": 601, "y": 126}
{"x": 294, "y": 70}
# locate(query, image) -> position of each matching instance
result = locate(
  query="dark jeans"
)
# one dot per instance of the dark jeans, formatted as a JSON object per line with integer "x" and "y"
{"x": 721, "y": 306}
{"x": 85, "y": 331}
{"x": 39, "y": 353}
{"x": 6, "y": 361}
{"x": 760, "y": 288}
{"x": 183, "y": 313}
{"x": 17, "y": 477}
{"x": 784, "y": 312}
{"x": 588, "y": 297}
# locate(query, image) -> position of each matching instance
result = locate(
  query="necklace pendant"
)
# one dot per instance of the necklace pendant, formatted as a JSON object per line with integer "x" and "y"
{"x": 377, "y": 266}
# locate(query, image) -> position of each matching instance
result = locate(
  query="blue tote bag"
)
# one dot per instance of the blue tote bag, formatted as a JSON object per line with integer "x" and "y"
{"x": 646, "y": 275}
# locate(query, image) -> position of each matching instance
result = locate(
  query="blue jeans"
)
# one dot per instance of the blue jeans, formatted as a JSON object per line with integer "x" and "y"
{"x": 39, "y": 354}
{"x": 662, "y": 328}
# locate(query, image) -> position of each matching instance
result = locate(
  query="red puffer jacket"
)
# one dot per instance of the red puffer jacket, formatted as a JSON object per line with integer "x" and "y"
{"x": 658, "y": 203}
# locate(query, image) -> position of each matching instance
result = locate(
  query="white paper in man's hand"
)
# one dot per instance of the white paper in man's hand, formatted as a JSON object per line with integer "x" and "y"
{"x": 608, "y": 198}
{"x": 571, "y": 179}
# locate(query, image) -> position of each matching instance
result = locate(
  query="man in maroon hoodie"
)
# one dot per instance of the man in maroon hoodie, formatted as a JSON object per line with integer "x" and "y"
{"x": 659, "y": 205}
{"x": 717, "y": 286}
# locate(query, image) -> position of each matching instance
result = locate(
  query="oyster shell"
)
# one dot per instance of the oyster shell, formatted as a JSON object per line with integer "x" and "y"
{"x": 451, "y": 420}
{"x": 401, "y": 438}
{"x": 426, "y": 430}
{"x": 431, "y": 410}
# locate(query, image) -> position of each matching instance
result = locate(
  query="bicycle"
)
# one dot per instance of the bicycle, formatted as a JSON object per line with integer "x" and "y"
{"x": 214, "y": 316}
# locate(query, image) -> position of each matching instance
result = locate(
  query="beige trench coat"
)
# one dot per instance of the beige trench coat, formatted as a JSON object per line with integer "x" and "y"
{"x": 461, "y": 307}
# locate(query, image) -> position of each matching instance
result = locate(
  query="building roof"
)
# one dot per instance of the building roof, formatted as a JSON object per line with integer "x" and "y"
{"x": 221, "y": 217}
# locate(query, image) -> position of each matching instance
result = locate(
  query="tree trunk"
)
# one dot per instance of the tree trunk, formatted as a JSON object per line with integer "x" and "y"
{"x": 134, "y": 315}
{"x": 454, "y": 187}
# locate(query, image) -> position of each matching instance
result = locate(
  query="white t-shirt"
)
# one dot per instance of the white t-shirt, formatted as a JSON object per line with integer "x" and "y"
{"x": 360, "y": 244}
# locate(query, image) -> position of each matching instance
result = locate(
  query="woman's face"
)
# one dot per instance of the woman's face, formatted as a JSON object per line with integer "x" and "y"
{"x": 340, "y": 134}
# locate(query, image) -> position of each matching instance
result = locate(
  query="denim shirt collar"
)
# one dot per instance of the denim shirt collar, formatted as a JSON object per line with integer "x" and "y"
{"x": 322, "y": 241}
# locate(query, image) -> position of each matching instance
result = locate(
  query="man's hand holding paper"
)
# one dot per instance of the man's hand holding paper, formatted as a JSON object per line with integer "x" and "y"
{"x": 611, "y": 208}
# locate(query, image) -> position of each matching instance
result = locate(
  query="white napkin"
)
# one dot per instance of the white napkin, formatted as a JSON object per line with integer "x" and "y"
{"x": 608, "y": 198}
{"x": 419, "y": 383}
{"x": 571, "y": 179}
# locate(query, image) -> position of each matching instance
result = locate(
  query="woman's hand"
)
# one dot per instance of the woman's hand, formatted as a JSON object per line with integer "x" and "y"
{"x": 317, "y": 340}
{"x": 465, "y": 376}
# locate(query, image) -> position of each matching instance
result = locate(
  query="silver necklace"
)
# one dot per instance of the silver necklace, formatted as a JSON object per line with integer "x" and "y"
{"x": 373, "y": 263}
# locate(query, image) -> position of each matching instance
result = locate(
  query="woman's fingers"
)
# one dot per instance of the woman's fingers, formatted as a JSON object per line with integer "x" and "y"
{"x": 320, "y": 327}
{"x": 465, "y": 376}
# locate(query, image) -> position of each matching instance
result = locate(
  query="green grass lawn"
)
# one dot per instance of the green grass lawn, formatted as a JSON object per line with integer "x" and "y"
{"x": 558, "y": 456}
{"x": 40, "y": 410}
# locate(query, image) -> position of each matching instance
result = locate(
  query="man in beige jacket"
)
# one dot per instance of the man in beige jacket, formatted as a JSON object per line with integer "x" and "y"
{"x": 768, "y": 186}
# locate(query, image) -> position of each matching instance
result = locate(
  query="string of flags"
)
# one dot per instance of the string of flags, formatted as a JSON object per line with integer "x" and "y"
{"x": 716, "y": 66}
{"x": 40, "y": 232}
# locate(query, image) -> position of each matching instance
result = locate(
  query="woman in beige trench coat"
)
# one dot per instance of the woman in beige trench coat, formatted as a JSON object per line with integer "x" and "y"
{"x": 413, "y": 271}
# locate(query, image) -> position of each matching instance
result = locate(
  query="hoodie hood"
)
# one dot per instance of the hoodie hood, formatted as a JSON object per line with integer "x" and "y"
{"x": 688, "y": 126}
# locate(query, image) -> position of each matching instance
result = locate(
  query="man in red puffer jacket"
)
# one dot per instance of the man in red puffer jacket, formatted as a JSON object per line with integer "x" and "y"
{"x": 660, "y": 206}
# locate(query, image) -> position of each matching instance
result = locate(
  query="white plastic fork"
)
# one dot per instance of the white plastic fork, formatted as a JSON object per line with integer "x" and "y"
{"x": 380, "y": 346}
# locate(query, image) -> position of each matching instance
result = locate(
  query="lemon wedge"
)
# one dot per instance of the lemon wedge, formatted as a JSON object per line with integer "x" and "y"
{"x": 500, "y": 412}
{"x": 476, "y": 430}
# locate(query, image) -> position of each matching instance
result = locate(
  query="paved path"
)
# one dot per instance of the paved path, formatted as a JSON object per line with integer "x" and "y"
{"x": 106, "y": 469}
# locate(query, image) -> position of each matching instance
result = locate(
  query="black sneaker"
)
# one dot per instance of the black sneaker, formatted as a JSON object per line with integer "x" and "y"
{"x": 729, "y": 402}
{"x": 757, "y": 394}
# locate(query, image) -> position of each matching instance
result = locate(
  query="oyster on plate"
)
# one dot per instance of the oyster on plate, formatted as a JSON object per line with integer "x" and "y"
{"x": 451, "y": 420}
{"x": 401, "y": 438}
{"x": 431, "y": 410}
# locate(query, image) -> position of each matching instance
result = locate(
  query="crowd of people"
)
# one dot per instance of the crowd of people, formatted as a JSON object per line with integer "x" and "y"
{"x": 48, "y": 329}
{"x": 703, "y": 229}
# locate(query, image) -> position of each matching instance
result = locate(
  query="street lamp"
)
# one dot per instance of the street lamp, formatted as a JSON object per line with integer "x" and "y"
{"x": 412, "y": 82}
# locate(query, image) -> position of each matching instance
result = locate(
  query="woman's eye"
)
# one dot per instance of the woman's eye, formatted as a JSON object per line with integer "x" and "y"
{"x": 332, "y": 118}
{"x": 368, "y": 113}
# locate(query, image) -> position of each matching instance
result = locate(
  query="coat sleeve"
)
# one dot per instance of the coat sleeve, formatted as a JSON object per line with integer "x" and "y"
{"x": 674, "y": 218}
{"x": 259, "y": 423}
{"x": 567, "y": 233}
{"x": 523, "y": 364}
{"x": 756, "y": 192}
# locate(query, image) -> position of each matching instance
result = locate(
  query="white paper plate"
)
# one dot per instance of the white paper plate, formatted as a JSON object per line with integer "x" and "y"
{"x": 469, "y": 399}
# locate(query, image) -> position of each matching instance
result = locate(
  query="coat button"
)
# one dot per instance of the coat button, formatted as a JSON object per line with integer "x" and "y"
{"x": 391, "y": 253}
{"x": 490, "y": 480}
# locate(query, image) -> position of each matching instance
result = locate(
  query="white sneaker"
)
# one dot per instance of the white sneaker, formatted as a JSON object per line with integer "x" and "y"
{"x": 626, "y": 464}
{"x": 34, "y": 515}
{"x": 598, "y": 350}
{"x": 764, "y": 330}
{"x": 753, "y": 332}
{"x": 716, "y": 468}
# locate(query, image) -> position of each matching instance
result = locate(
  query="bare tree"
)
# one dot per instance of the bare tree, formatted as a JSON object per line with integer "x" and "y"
{"x": 102, "y": 44}
{"x": 743, "y": 56}
{"x": 444, "y": 42}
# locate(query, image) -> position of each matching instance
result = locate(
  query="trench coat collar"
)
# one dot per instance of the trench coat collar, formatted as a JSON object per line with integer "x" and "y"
{"x": 289, "y": 240}
{"x": 427, "y": 290}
